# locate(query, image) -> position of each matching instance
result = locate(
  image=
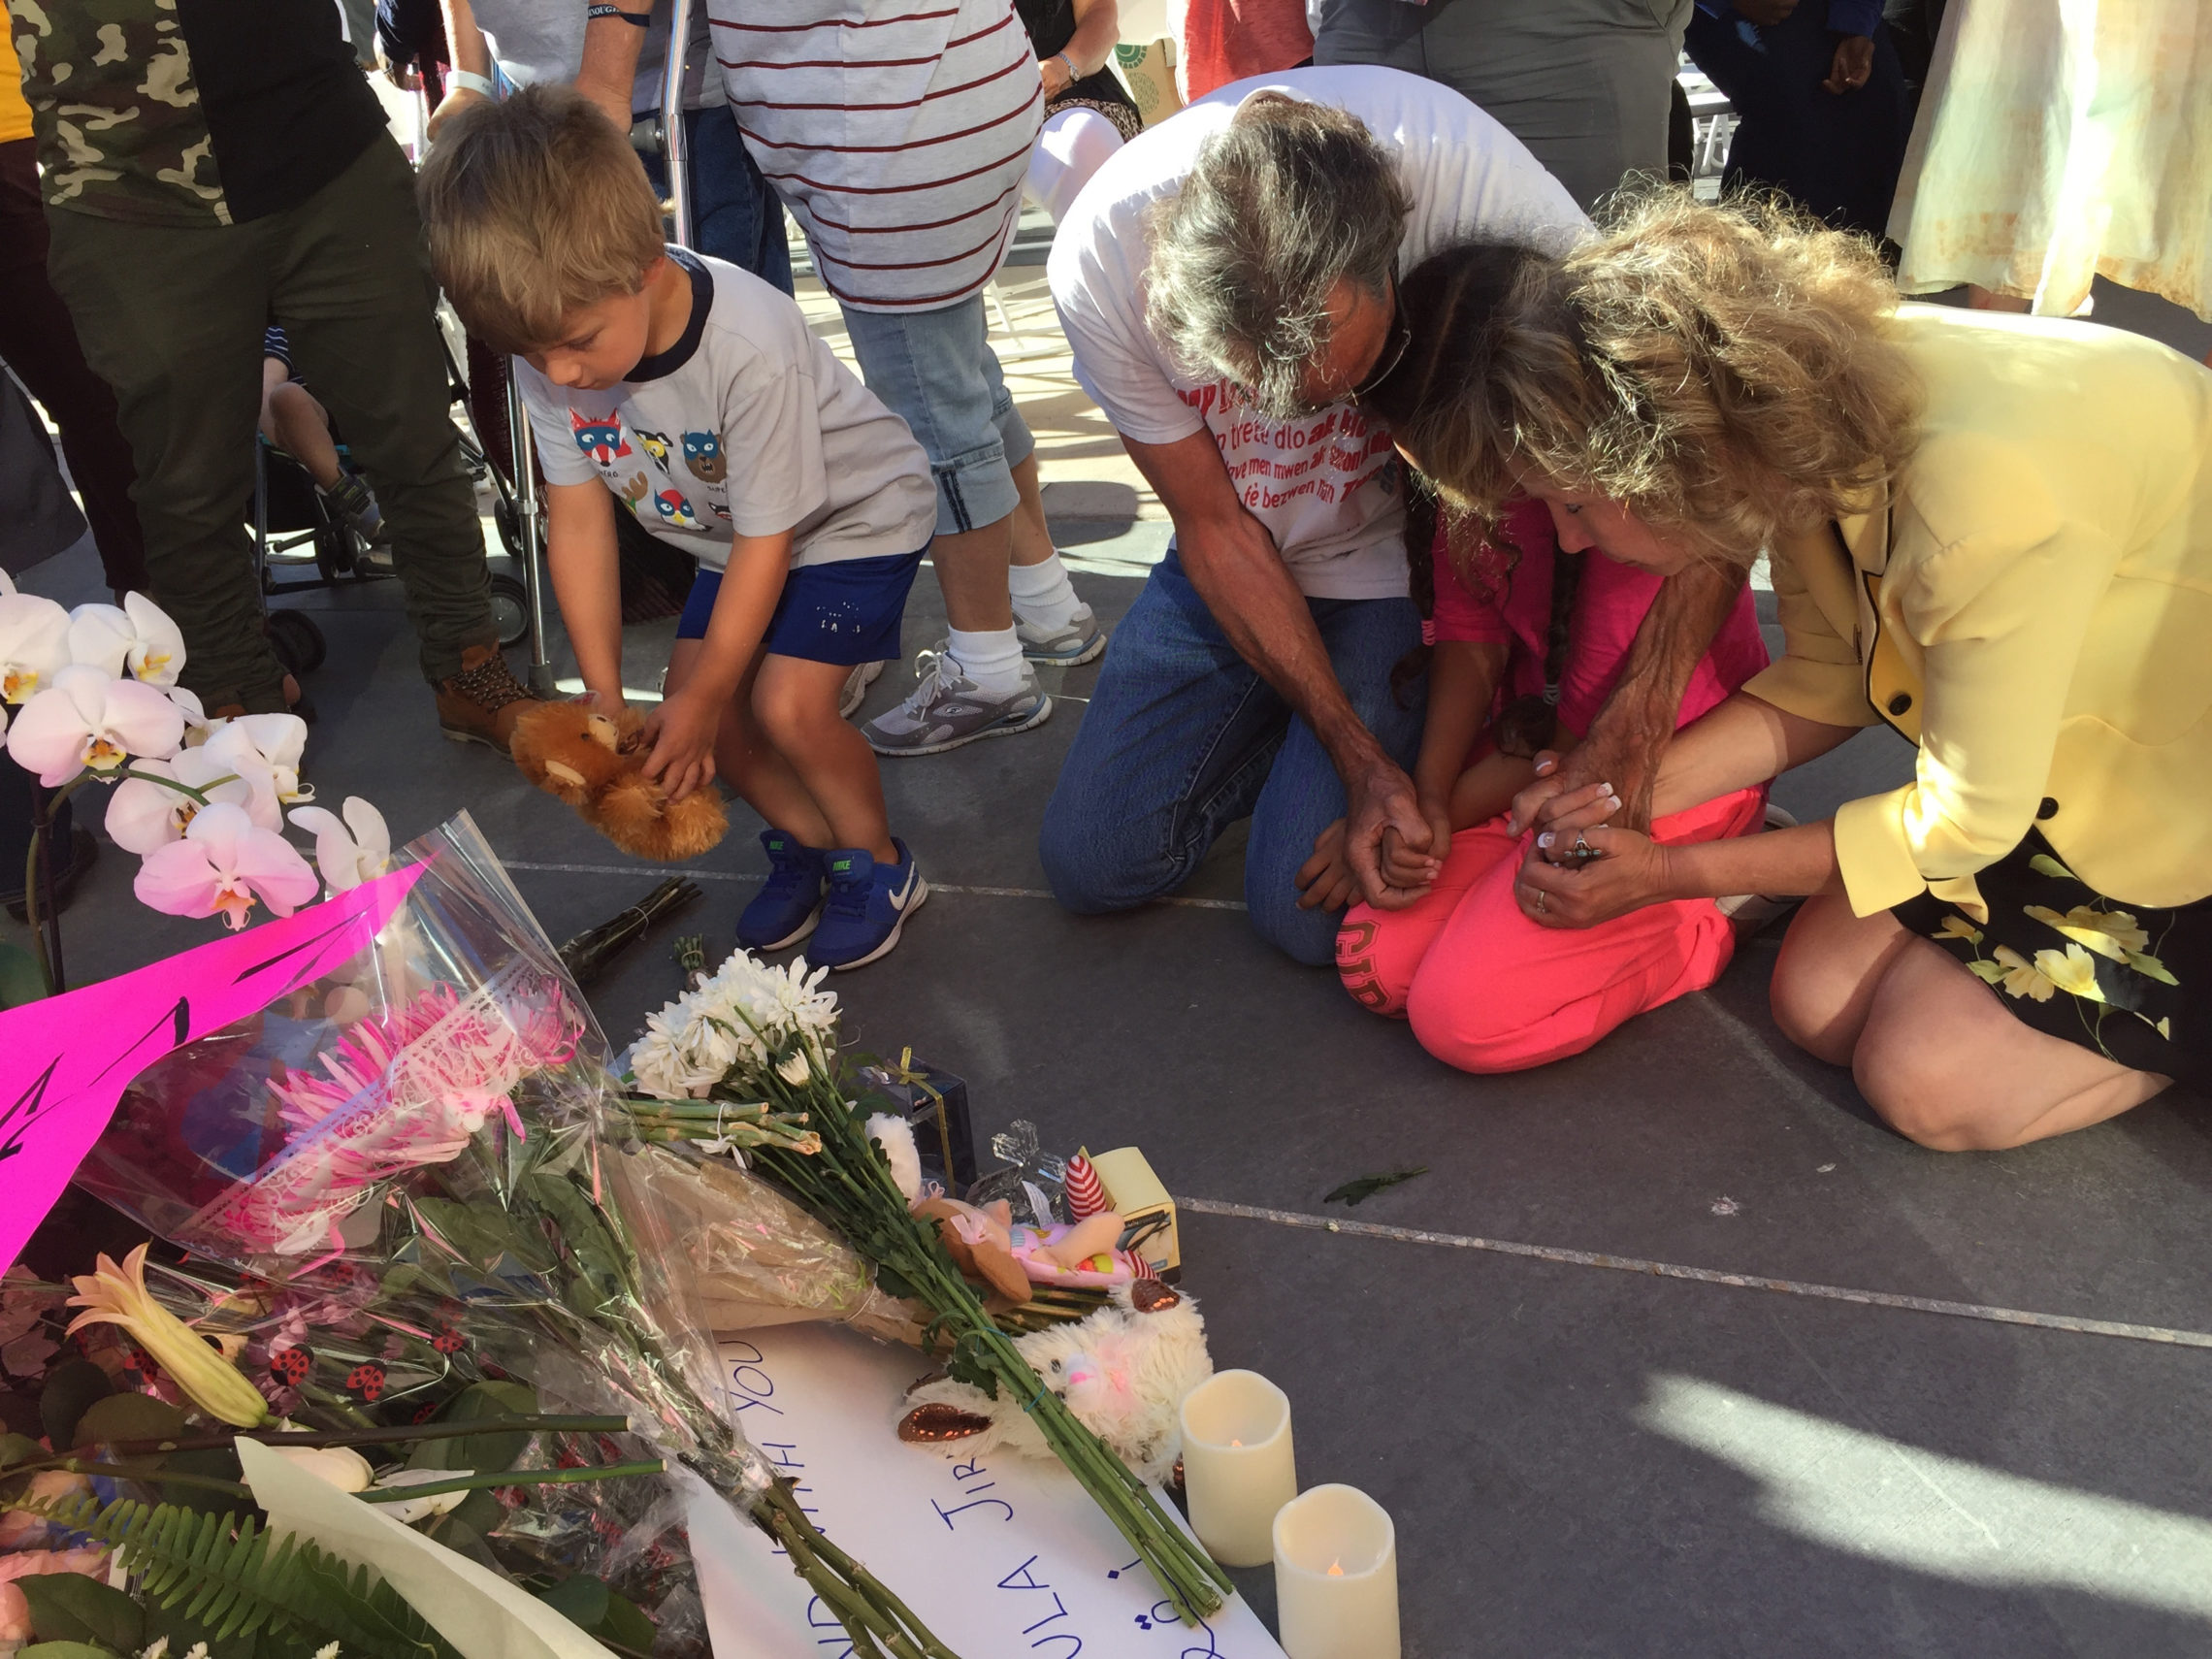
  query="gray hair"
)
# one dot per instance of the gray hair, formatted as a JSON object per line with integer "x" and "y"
{"x": 1282, "y": 205}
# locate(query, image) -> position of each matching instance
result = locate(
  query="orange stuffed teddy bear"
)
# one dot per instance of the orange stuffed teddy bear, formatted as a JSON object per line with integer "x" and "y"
{"x": 595, "y": 762}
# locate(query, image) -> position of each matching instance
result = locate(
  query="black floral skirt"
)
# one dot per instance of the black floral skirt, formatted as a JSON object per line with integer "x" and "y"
{"x": 2133, "y": 985}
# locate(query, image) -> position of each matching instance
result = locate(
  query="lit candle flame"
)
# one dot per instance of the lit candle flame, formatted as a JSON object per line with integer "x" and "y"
{"x": 1336, "y": 1569}
{"x": 1236, "y": 1443}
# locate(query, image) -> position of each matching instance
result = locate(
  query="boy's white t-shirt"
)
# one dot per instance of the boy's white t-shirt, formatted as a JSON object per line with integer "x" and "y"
{"x": 748, "y": 425}
{"x": 1326, "y": 485}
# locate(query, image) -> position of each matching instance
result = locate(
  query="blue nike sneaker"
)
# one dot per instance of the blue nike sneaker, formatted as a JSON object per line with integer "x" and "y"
{"x": 789, "y": 904}
{"x": 868, "y": 904}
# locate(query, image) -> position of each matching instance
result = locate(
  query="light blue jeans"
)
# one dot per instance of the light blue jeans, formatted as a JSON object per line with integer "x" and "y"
{"x": 1182, "y": 739}
{"x": 938, "y": 372}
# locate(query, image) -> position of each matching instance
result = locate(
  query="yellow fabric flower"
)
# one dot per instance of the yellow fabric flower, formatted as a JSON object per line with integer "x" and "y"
{"x": 2074, "y": 972}
{"x": 2111, "y": 933}
{"x": 115, "y": 1295}
{"x": 1958, "y": 927}
{"x": 2022, "y": 977}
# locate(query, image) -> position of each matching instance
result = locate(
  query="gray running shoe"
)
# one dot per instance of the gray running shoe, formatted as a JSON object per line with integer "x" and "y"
{"x": 856, "y": 691}
{"x": 1079, "y": 641}
{"x": 947, "y": 709}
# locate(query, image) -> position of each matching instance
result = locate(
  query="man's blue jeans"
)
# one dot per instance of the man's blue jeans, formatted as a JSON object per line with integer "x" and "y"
{"x": 737, "y": 213}
{"x": 1182, "y": 739}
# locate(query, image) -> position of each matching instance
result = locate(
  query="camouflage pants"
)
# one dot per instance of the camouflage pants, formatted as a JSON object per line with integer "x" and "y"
{"x": 172, "y": 316}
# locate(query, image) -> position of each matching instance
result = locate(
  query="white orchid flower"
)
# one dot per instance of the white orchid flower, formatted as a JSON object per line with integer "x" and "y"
{"x": 224, "y": 864}
{"x": 351, "y": 851}
{"x": 271, "y": 742}
{"x": 144, "y": 816}
{"x": 34, "y": 644}
{"x": 135, "y": 640}
{"x": 87, "y": 719}
{"x": 195, "y": 712}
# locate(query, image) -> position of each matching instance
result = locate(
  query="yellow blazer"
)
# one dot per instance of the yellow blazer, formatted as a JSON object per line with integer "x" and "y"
{"x": 2032, "y": 607}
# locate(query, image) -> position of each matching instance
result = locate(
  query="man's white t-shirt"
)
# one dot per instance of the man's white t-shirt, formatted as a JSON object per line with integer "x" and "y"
{"x": 1326, "y": 485}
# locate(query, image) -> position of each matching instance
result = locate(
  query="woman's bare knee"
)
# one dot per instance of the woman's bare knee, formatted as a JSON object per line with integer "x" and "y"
{"x": 1824, "y": 979}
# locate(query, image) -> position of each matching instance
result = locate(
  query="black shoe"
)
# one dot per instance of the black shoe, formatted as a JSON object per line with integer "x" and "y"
{"x": 83, "y": 854}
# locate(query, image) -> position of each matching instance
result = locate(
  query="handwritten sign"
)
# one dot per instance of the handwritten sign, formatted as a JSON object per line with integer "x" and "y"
{"x": 65, "y": 1062}
{"x": 998, "y": 1554}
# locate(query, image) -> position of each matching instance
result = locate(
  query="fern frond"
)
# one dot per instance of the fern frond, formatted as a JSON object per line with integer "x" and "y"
{"x": 234, "y": 1578}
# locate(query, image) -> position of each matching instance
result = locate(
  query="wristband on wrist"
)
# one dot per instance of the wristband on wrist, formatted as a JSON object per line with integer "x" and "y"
{"x": 469, "y": 81}
{"x": 1073, "y": 74}
{"x": 603, "y": 9}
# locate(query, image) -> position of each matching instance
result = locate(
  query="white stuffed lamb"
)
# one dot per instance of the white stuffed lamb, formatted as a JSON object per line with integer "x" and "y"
{"x": 1122, "y": 1369}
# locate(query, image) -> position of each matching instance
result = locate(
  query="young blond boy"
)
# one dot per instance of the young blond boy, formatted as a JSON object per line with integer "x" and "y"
{"x": 692, "y": 395}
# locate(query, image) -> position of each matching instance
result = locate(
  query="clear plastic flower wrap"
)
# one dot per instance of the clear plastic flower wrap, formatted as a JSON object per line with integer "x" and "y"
{"x": 756, "y": 1258}
{"x": 416, "y": 1156}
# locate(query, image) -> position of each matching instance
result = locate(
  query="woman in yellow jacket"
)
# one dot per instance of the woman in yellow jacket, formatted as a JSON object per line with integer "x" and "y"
{"x": 1995, "y": 534}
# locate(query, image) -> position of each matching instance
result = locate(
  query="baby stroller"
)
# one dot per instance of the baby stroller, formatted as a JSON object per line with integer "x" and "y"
{"x": 301, "y": 544}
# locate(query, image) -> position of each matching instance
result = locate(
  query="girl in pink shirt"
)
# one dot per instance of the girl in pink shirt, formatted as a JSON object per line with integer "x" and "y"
{"x": 1527, "y": 644}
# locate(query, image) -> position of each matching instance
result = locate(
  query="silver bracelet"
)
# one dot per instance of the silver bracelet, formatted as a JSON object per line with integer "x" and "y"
{"x": 1073, "y": 75}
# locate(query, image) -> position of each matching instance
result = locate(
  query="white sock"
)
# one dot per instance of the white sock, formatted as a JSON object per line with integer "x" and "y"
{"x": 1043, "y": 596}
{"x": 992, "y": 660}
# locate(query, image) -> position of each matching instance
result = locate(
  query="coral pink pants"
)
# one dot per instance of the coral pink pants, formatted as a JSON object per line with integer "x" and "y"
{"x": 1487, "y": 989}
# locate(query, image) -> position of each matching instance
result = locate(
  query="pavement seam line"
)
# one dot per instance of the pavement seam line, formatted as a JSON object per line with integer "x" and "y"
{"x": 1700, "y": 1275}
{"x": 934, "y": 885}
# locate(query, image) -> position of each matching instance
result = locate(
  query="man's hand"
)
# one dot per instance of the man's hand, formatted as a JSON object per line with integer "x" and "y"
{"x": 1767, "y": 12}
{"x": 1380, "y": 797}
{"x": 1854, "y": 63}
{"x": 682, "y": 733}
{"x": 456, "y": 98}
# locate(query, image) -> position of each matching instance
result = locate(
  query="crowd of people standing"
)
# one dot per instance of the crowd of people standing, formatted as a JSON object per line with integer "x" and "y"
{"x": 1469, "y": 428}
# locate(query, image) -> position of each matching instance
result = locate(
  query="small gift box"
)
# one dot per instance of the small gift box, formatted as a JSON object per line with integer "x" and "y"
{"x": 1147, "y": 1213}
{"x": 936, "y": 1103}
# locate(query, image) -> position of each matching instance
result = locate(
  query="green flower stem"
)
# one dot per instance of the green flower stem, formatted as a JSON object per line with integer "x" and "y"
{"x": 523, "y": 1420}
{"x": 851, "y": 1184}
{"x": 199, "y": 795}
{"x": 860, "y": 1600}
{"x": 511, "y": 1478}
{"x": 152, "y": 1474}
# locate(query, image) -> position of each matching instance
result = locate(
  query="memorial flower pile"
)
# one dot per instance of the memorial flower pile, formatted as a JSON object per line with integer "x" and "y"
{"x": 761, "y": 1039}
{"x": 408, "y": 1175}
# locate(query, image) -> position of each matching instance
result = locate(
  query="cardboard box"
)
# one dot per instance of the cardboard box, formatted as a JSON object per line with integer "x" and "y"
{"x": 1143, "y": 1203}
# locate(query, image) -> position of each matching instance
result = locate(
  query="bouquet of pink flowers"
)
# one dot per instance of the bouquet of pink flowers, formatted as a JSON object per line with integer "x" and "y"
{"x": 416, "y": 1160}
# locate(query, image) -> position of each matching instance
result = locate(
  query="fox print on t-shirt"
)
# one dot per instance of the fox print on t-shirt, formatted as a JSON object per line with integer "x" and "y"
{"x": 685, "y": 486}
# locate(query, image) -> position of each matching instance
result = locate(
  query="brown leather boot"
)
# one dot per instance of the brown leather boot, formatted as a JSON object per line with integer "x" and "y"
{"x": 481, "y": 704}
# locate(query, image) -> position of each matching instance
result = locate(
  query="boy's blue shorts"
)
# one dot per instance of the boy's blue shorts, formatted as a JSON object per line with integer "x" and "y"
{"x": 847, "y": 611}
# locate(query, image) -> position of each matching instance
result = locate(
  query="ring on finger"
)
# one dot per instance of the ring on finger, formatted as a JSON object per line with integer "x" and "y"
{"x": 1540, "y": 896}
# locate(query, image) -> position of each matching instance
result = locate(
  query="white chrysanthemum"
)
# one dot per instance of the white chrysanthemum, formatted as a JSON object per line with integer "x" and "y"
{"x": 730, "y": 1026}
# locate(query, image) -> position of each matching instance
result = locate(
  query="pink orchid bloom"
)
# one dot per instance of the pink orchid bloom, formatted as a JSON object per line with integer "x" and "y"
{"x": 144, "y": 815}
{"x": 225, "y": 863}
{"x": 87, "y": 719}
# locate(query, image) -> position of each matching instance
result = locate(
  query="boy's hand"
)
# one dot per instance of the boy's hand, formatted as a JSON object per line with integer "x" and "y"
{"x": 682, "y": 733}
{"x": 1408, "y": 873}
{"x": 1325, "y": 881}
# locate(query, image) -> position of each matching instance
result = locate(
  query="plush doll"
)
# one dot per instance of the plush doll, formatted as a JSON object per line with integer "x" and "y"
{"x": 1123, "y": 1371}
{"x": 595, "y": 762}
{"x": 987, "y": 1244}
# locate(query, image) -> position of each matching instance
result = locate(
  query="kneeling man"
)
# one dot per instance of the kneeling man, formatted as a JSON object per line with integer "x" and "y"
{"x": 1228, "y": 282}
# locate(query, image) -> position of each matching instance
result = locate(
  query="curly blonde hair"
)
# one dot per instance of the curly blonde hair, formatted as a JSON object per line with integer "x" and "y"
{"x": 1724, "y": 371}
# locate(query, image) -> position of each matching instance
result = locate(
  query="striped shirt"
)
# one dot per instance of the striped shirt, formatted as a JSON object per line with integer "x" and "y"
{"x": 898, "y": 131}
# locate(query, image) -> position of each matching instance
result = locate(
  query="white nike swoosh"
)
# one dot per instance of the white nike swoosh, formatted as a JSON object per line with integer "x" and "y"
{"x": 899, "y": 899}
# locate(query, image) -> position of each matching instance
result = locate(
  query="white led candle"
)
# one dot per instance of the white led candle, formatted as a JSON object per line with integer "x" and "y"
{"x": 1336, "y": 1577}
{"x": 1237, "y": 1464}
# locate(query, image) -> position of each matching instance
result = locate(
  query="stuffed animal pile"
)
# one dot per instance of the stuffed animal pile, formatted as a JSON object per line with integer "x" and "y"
{"x": 595, "y": 763}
